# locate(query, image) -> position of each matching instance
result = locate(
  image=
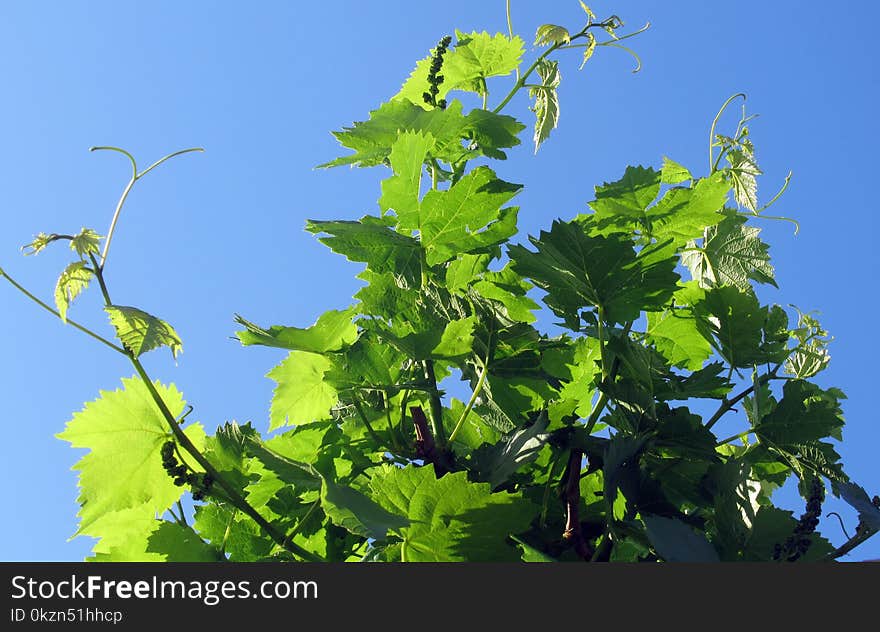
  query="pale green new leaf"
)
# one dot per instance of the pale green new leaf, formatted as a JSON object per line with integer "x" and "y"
{"x": 475, "y": 57}
{"x": 546, "y": 106}
{"x": 71, "y": 284}
{"x": 743, "y": 172}
{"x": 302, "y": 395}
{"x": 589, "y": 50}
{"x": 551, "y": 34}
{"x": 140, "y": 332}
{"x": 124, "y": 431}
{"x": 85, "y": 243}
{"x": 334, "y": 330}
{"x": 731, "y": 254}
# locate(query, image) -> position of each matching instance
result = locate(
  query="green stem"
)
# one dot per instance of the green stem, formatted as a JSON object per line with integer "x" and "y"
{"x": 728, "y": 404}
{"x": 233, "y": 495}
{"x": 436, "y": 406}
{"x": 738, "y": 435}
{"x": 522, "y": 79}
{"x": 363, "y": 416}
{"x": 712, "y": 163}
{"x": 467, "y": 409}
{"x": 182, "y": 513}
{"x": 135, "y": 176}
{"x": 510, "y": 34}
{"x": 73, "y": 323}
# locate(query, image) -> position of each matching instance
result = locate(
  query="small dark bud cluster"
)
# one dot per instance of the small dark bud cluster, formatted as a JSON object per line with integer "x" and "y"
{"x": 434, "y": 76}
{"x": 797, "y": 544}
{"x": 180, "y": 474}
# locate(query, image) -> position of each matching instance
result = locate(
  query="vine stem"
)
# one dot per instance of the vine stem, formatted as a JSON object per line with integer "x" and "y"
{"x": 473, "y": 399}
{"x": 135, "y": 176}
{"x": 712, "y": 164}
{"x": 236, "y": 499}
{"x": 728, "y": 404}
{"x": 71, "y": 322}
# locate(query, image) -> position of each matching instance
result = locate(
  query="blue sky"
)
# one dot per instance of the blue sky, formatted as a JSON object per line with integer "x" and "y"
{"x": 261, "y": 85}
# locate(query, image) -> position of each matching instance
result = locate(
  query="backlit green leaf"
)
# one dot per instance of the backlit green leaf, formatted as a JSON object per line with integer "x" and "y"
{"x": 124, "y": 431}
{"x": 546, "y": 98}
{"x": 301, "y": 395}
{"x": 332, "y": 331}
{"x": 140, "y": 332}
{"x": 71, "y": 284}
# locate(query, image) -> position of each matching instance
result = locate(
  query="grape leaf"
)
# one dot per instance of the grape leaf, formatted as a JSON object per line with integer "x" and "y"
{"x": 475, "y": 57}
{"x": 806, "y": 413}
{"x": 627, "y": 198}
{"x": 743, "y": 172}
{"x": 676, "y": 335}
{"x": 71, "y": 283}
{"x": 124, "y": 431}
{"x": 332, "y": 331}
{"x": 675, "y": 541}
{"x": 466, "y": 217}
{"x": 451, "y": 519}
{"x": 731, "y": 254}
{"x": 578, "y": 270}
{"x": 371, "y": 240}
{"x": 356, "y": 512}
{"x": 682, "y": 214}
{"x": 457, "y": 339}
{"x": 400, "y": 192}
{"x": 551, "y": 34}
{"x": 857, "y": 497}
{"x": 546, "y": 97}
{"x": 85, "y": 243}
{"x": 235, "y": 534}
{"x": 140, "y": 332}
{"x": 132, "y": 535}
{"x": 302, "y": 395}
{"x": 496, "y": 463}
{"x": 673, "y": 173}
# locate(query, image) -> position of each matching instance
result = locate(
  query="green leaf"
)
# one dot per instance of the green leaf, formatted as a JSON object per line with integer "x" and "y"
{"x": 373, "y": 241}
{"x": 805, "y": 413}
{"x": 811, "y": 354}
{"x": 675, "y": 541}
{"x": 332, "y": 331}
{"x": 548, "y": 34}
{"x": 40, "y": 242}
{"x": 71, "y": 283}
{"x": 731, "y": 254}
{"x": 743, "y": 172}
{"x": 546, "y": 98}
{"x": 747, "y": 334}
{"x": 673, "y": 173}
{"x": 475, "y": 57}
{"x": 530, "y": 553}
{"x": 682, "y": 214}
{"x": 578, "y": 270}
{"x": 589, "y": 49}
{"x": 132, "y": 535}
{"x": 466, "y": 217}
{"x": 465, "y": 270}
{"x": 140, "y": 332}
{"x": 451, "y": 518}
{"x": 457, "y": 339}
{"x": 232, "y": 532}
{"x": 627, "y": 198}
{"x": 124, "y": 431}
{"x": 85, "y": 243}
{"x": 857, "y": 497}
{"x": 401, "y": 191}
{"x": 302, "y": 395}
{"x": 676, "y": 335}
{"x": 497, "y": 463}
{"x": 356, "y": 512}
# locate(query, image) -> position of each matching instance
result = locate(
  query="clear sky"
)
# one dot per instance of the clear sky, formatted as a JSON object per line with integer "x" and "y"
{"x": 261, "y": 85}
